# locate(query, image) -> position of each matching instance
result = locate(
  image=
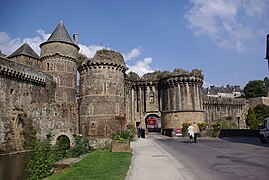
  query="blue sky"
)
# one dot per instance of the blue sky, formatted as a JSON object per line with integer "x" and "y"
{"x": 224, "y": 38}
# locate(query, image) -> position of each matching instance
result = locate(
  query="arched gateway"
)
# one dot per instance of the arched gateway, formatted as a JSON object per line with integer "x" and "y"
{"x": 153, "y": 123}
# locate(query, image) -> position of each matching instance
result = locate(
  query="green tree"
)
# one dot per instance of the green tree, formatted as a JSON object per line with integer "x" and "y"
{"x": 251, "y": 119}
{"x": 255, "y": 88}
{"x": 39, "y": 164}
{"x": 261, "y": 112}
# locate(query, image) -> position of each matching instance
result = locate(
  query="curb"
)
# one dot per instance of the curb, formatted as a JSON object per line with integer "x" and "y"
{"x": 131, "y": 165}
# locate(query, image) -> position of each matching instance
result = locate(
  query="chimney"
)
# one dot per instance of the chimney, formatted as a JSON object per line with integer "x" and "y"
{"x": 75, "y": 38}
{"x": 267, "y": 48}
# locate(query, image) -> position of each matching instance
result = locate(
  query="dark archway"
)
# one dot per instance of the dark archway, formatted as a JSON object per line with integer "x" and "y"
{"x": 153, "y": 123}
{"x": 63, "y": 142}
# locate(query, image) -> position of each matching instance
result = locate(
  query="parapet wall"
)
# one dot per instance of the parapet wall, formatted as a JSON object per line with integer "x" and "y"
{"x": 22, "y": 72}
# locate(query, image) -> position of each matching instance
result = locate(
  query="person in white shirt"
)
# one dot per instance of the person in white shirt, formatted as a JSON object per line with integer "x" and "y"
{"x": 191, "y": 132}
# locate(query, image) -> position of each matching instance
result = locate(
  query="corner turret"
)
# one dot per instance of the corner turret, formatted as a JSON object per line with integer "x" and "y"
{"x": 59, "y": 54}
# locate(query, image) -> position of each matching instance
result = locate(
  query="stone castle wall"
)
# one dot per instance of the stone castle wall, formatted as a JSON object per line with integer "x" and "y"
{"x": 23, "y": 90}
{"x": 28, "y": 61}
{"x": 29, "y": 103}
{"x": 217, "y": 108}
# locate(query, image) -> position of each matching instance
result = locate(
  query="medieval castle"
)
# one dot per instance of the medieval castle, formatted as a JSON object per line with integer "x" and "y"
{"x": 40, "y": 94}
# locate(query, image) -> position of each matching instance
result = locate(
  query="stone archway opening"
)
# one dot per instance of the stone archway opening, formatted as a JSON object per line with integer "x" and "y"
{"x": 153, "y": 123}
{"x": 63, "y": 142}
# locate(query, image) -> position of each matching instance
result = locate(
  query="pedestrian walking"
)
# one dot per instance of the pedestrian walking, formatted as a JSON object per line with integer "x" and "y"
{"x": 139, "y": 131}
{"x": 191, "y": 132}
{"x": 196, "y": 131}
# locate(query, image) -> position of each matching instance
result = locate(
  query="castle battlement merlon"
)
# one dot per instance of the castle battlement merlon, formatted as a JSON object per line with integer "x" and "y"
{"x": 89, "y": 65}
{"x": 22, "y": 72}
{"x": 173, "y": 81}
{"x": 58, "y": 56}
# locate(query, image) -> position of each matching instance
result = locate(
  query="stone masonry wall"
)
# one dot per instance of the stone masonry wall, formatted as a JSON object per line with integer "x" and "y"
{"x": 102, "y": 95}
{"x": 216, "y": 108}
{"x": 27, "y": 107}
{"x": 28, "y": 61}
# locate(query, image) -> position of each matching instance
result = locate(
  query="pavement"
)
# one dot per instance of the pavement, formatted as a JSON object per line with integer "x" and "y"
{"x": 151, "y": 161}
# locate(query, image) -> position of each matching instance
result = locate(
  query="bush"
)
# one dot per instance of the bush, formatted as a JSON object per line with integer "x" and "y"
{"x": 251, "y": 119}
{"x": 202, "y": 126}
{"x": 216, "y": 126}
{"x": 43, "y": 154}
{"x": 39, "y": 163}
{"x": 185, "y": 126}
{"x": 80, "y": 147}
{"x": 122, "y": 135}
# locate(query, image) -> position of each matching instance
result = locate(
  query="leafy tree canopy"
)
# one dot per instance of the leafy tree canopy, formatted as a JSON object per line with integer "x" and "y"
{"x": 255, "y": 88}
{"x": 261, "y": 112}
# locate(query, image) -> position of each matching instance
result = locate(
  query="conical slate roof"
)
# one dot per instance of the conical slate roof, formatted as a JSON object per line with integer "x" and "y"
{"x": 26, "y": 50}
{"x": 60, "y": 34}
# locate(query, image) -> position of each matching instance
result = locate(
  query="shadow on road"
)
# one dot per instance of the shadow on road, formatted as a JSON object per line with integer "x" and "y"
{"x": 246, "y": 140}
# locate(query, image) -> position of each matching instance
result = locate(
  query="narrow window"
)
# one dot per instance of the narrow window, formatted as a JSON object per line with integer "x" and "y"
{"x": 151, "y": 99}
{"x": 117, "y": 108}
{"x": 104, "y": 88}
{"x": 106, "y": 130}
{"x": 48, "y": 66}
{"x": 64, "y": 96}
{"x": 90, "y": 109}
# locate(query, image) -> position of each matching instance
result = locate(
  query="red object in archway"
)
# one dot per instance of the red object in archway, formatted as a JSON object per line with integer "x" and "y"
{"x": 151, "y": 121}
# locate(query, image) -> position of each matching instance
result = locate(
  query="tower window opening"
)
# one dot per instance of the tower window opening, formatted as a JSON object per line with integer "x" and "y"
{"x": 151, "y": 99}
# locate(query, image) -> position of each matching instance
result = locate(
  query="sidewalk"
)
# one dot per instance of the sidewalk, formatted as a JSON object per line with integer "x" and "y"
{"x": 151, "y": 161}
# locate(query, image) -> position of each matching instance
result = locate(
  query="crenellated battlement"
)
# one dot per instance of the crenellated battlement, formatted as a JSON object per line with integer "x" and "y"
{"x": 22, "y": 72}
{"x": 104, "y": 59}
{"x": 100, "y": 65}
{"x": 58, "y": 56}
{"x": 173, "y": 81}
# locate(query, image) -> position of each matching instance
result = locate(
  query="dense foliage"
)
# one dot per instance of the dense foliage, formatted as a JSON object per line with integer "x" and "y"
{"x": 256, "y": 116}
{"x": 202, "y": 126}
{"x": 44, "y": 154}
{"x": 255, "y": 88}
{"x": 185, "y": 126}
{"x": 123, "y": 135}
{"x": 39, "y": 163}
{"x": 251, "y": 119}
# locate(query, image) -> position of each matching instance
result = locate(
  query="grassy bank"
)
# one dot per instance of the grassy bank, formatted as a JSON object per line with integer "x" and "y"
{"x": 98, "y": 165}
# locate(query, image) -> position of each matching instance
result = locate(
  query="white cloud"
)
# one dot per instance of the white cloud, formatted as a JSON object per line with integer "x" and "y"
{"x": 133, "y": 54}
{"x": 9, "y": 45}
{"x": 207, "y": 84}
{"x": 90, "y": 51}
{"x": 227, "y": 23}
{"x": 141, "y": 67}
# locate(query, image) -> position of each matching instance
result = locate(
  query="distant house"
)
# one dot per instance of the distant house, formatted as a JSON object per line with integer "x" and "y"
{"x": 225, "y": 92}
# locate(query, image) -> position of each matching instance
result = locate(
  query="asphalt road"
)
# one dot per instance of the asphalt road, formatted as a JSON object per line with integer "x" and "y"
{"x": 220, "y": 159}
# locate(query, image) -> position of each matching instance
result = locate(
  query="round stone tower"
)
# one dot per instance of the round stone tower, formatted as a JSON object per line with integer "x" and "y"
{"x": 102, "y": 94}
{"x": 58, "y": 55}
{"x": 181, "y": 98}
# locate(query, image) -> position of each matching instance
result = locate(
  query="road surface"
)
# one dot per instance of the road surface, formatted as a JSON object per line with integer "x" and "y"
{"x": 220, "y": 159}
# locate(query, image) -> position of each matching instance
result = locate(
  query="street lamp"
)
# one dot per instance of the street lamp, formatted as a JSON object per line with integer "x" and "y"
{"x": 238, "y": 121}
